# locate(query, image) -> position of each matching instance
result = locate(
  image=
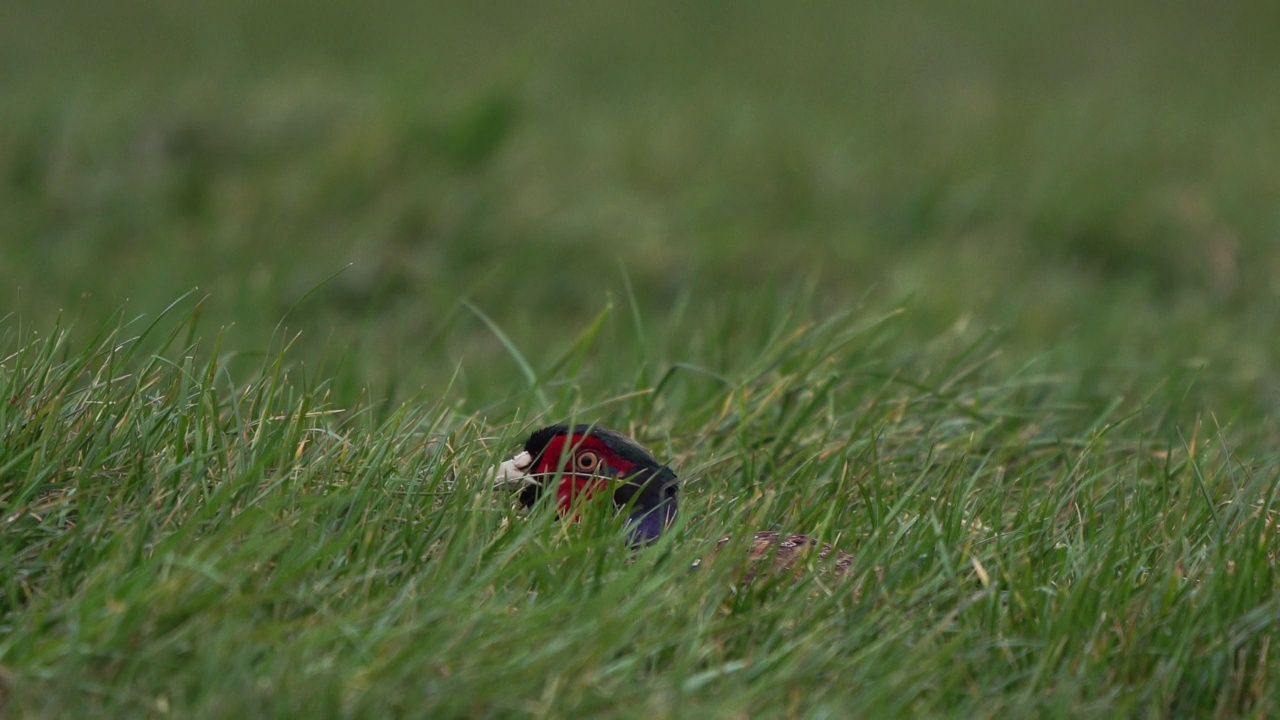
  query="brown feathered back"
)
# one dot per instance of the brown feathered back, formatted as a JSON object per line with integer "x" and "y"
{"x": 775, "y": 553}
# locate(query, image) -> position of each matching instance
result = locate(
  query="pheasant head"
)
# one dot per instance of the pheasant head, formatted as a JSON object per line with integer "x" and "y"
{"x": 584, "y": 462}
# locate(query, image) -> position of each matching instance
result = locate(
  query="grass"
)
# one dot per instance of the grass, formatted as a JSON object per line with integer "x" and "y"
{"x": 183, "y": 541}
{"x": 985, "y": 296}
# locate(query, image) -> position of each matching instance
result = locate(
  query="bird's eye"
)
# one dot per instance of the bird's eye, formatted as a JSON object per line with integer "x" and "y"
{"x": 586, "y": 461}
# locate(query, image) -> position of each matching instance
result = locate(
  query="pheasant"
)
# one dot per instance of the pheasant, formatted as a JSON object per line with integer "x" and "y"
{"x": 591, "y": 460}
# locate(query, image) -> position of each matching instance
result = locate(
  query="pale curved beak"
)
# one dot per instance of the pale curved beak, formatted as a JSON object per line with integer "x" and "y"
{"x": 513, "y": 472}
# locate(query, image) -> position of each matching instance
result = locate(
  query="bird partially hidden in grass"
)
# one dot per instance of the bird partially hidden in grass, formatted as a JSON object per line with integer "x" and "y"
{"x": 589, "y": 461}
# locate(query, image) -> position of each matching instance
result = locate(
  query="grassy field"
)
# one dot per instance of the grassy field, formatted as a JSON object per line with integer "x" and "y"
{"x": 987, "y": 295}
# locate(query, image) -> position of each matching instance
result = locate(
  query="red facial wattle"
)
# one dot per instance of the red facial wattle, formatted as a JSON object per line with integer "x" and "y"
{"x": 576, "y": 488}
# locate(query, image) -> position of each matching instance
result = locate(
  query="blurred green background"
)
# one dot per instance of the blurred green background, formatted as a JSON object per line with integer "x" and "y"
{"x": 1095, "y": 182}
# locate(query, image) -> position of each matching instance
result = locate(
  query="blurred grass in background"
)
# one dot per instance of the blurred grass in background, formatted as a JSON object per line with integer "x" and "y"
{"x": 1096, "y": 181}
